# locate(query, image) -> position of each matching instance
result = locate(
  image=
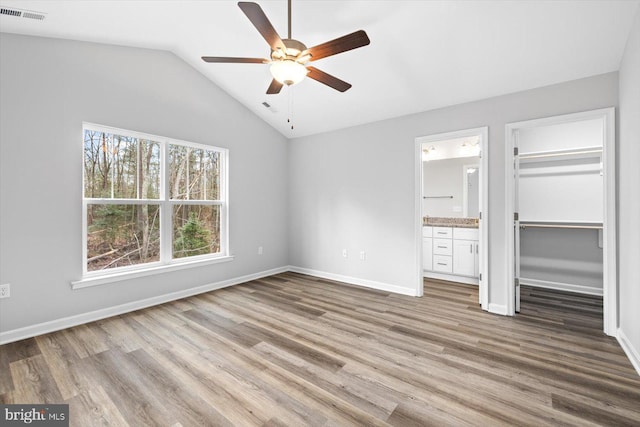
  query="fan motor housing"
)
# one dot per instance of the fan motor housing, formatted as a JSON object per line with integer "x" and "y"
{"x": 294, "y": 49}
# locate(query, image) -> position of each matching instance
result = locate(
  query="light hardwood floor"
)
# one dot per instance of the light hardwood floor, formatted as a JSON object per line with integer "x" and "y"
{"x": 294, "y": 350}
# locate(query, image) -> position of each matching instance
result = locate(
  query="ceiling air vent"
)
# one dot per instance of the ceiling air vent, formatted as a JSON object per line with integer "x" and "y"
{"x": 23, "y": 13}
{"x": 32, "y": 15}
{"x": 10, "y": 12}
{"x": 269, "y": 107}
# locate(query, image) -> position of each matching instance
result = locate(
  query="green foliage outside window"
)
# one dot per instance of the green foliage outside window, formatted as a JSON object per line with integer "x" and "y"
{"x": 193, "y": 238}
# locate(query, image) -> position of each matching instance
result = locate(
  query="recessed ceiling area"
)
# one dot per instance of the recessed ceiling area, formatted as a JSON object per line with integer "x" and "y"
{"x": 423, "y": 54}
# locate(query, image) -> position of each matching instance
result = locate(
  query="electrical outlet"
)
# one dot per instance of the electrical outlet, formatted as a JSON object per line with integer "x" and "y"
{"x": 363, "y": 255}
{"x": 344, "y": 253}
{"x": 5, "y": 290}
{"x": 260, "y": 251}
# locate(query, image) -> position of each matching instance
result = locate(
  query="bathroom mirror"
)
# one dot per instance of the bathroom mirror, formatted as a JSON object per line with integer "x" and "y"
{"x": 451, "y": 188}
{"x": 471, "y": 190}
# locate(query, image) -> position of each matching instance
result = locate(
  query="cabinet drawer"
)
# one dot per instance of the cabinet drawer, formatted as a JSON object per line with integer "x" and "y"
{"x": 442, "y": 263}
{"x": 465, "y": 233}
{"x": 442, "y": 232}
{"x": 443, "y": 246}
{"x": 427, "y": 231}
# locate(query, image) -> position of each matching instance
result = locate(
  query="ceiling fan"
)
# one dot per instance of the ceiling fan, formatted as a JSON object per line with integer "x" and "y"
{"x": 289, "y": 57}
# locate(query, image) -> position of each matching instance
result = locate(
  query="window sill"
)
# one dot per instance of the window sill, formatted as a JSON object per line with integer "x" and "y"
{"x": 127, "y": 275}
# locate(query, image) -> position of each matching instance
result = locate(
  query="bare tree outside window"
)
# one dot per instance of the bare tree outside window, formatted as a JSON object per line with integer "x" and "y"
{"x": 125, "y": 200}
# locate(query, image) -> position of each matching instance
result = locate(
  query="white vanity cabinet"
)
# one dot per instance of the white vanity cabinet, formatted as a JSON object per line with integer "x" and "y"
{"x": 451, "y": 253}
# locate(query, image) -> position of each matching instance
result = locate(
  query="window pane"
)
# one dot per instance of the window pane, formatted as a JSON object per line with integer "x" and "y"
{"x": 196, "y": 230}
{"x": 194, "y": 173}
{"x": 122, "y": 235}
{"x": 120, "y": 167}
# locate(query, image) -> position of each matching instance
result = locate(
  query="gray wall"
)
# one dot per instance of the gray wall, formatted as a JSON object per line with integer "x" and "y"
{"x": 629, "y": 190}
{"x": 562, "y": 255}
{"x": 445, "y": 178}
{"x": 354, "y": 188}
{"x": 49, "y": 87}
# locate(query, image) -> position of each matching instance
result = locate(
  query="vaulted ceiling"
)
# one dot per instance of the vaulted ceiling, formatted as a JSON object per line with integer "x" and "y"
{"x": 423, "y": 54}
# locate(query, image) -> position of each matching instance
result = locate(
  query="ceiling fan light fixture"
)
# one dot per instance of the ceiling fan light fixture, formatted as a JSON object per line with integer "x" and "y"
{"x": 288, "y": 71}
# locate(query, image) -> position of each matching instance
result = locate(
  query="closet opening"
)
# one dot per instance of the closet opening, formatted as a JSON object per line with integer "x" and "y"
{"x": 561, "y": 210}
{"x": 451, "y": 208}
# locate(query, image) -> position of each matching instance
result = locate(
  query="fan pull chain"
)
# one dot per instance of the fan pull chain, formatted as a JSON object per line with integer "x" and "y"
{"x": 290, "y": 119}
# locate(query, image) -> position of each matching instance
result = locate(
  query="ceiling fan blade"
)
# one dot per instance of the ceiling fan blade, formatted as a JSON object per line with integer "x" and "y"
{"x": 262, "y": 24}
{"x": 339, "y": 45}
{"x": 226, "y": 59}
{"x": 274, "y": 87}
{"x": 328, "y": 79}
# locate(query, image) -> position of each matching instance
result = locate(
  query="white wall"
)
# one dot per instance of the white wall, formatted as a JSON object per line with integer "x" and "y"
{"x": 629, "y": 192}
{"x": 49, "y": 87}
{"x": 354, "y": 188}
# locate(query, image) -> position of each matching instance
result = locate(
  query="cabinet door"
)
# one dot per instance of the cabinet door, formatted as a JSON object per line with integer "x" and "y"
{"x": 464, "y": 257}
{"x": 427, "y": 253}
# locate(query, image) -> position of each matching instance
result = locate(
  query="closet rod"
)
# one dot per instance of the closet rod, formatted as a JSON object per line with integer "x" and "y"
{"x": 583, "y": 227}
{"x": 437, "y": 197}
{"x": 558, "y": 154}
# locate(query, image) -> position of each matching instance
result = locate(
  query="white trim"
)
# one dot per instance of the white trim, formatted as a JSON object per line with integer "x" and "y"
{"x": 102, "y": 279}
{"x": 483, "y": 225}
{"x": 356, "y": 281}
{"x": 610, "y": 285}
{"x": 418, "y": 222}
{"x": 559, "y": 286}
{"x": 483, "y": 133}
{"x": 148, "y": 136}
{"x": 632, "y": 353}
{"x": 609, "y": 237}
{"x": 500, "y": 309}
{"x": 79, "y": 319}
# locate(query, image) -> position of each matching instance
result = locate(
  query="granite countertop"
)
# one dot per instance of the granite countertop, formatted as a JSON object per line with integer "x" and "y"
{"x": 437, "y": 221}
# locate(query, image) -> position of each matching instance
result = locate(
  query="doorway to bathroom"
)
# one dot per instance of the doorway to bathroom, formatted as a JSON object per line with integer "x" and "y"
{"x": 451, "y": 208}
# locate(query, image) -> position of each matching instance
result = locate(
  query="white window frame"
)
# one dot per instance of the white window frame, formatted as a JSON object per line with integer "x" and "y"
{"x": 166, "y": 262}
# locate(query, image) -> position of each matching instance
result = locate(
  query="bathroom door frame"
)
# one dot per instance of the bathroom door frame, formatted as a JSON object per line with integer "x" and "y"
{"x": 483, "y": 226}
{"x": 609, "y": 252}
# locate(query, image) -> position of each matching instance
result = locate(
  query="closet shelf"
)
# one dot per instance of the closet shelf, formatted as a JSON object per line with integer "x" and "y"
{"x": 561, "y": 224}
{"x": 554, "y": 155}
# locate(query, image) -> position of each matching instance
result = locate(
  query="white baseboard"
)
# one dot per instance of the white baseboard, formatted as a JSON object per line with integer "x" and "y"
{"x": 558, "y": 286}
{"x": 355, "y": 281}
{"x": 498, "y": 309}
{"x": 632, "y": 353}
{"x": 79, "y": 319}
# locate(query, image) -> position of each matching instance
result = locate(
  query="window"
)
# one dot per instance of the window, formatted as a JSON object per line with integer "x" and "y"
{"x": 150, "y": 201}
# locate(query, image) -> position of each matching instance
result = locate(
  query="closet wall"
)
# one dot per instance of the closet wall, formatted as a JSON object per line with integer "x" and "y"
{"x": 560, "y": 204}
